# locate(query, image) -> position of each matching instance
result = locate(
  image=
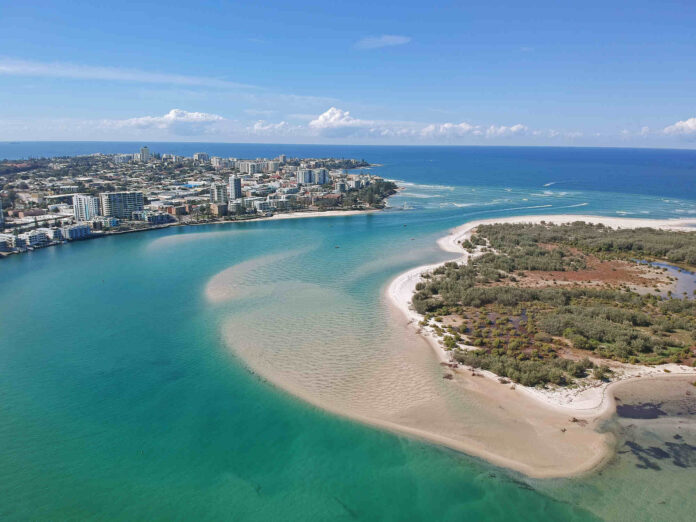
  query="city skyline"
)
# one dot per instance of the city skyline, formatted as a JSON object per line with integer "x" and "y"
{"x": 603, "y": 74}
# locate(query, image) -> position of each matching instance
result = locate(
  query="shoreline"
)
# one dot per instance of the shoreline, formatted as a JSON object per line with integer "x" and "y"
{"x": 276, "y": 217}
{"x": 592, "y": 403}
{"x": 589, "y": 400}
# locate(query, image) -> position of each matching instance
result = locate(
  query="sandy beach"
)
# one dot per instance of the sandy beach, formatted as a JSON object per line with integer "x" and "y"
{"x": 590, "y": 400}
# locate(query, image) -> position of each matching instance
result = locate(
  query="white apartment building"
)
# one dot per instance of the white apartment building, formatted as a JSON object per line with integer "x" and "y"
{"x": 249, "y": 167}
{"x": 36, "y": 237}
{"x": 85, "y": 207}
{"x": 73, "y": 232}
{"x": 121, "y": 205}
{"x": 305, "y": 177}
{"x": 7, "y": 242}
{"x": 218, "y": 193}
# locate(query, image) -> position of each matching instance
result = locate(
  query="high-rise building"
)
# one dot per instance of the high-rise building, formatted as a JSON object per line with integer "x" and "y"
{"x": 144, "y": 154}
{"x": 201, "y": 156}
{"x": 218, "y": 193}
{"x": 305, "y": 177}
{"x": 86, "y": 207}
{"x": 2, "y": 217}
{"x": 121, "y": 204}
{"x": 321, "y": 176}
{"x": 235, "y": 187}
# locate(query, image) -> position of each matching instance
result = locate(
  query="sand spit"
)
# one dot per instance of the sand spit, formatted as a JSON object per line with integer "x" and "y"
{"x": 387, "y": 377}
{"x": 590, "y": 403}
{"x": 588, "y": 399}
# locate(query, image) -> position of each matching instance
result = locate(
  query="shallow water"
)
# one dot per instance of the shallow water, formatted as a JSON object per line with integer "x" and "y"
{"x": 652, "y": 475}
{"x": 685, "y": 281}
{"x": 121, "y": 397}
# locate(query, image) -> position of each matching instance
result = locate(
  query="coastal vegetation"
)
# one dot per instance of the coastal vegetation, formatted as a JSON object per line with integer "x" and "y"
{"x": 374, "y": 195}
{"x": 548, "y": 303}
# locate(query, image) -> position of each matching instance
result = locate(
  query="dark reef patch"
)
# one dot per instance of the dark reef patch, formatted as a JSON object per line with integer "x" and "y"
{"x": 645, "y": 410}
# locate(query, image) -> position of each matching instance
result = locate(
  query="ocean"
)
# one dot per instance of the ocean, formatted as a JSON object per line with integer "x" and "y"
{"x": 127, "y": 393}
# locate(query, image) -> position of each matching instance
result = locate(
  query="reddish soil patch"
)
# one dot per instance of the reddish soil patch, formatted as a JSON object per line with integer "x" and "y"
{"x": 598, "y": 272}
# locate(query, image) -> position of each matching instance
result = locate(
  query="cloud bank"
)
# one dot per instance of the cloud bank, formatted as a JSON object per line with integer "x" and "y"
{"x": 334, "y": 125}
{"x": 336, "y": 122}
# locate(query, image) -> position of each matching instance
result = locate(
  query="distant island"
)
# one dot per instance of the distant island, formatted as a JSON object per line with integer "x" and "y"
{"x": 48, "y": 201}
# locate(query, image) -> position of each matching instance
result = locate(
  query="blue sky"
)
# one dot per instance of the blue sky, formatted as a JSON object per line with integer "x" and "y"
{"x": 490, "y": 73}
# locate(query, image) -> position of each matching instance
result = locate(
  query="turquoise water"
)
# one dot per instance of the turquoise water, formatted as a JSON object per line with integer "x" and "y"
{"x": 122, "y": 395}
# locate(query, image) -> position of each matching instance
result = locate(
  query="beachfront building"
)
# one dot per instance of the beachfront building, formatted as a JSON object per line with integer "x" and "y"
{"x": 121, "y": 205}
{"x": 7, "y": 242}
{"x": 153, "y": 218}
{"x": 56, "y": 234}
{"x": 218, "y": 193}
{"x": 86, "y": 207}
{"x": 201, "y": 157}
{"x": 78, "y": 231}
{"x": 235, "y": 187}
{"x": 34, "y": 238}
{"x": 105, "y": 222}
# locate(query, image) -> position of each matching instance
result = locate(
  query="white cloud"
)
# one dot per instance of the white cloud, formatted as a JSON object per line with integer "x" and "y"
{"x": 339, "y": 123}
{"x": 435, "y": 130}
{"x": 495, "y": 131}
{"x": 334, "y": 118}
{"x": 265, "y": 128}
{"x": 336, "y": 122}
{"x": 386, "y": 40}
{"x": 176, "y": 121}
{"x": 682, "y": 127}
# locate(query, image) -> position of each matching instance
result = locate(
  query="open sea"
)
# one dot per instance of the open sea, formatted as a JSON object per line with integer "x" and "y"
{"x": 124, "y": 394}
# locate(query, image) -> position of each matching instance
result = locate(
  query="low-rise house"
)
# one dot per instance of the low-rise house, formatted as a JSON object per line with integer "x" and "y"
{"x": 78, "y": 231}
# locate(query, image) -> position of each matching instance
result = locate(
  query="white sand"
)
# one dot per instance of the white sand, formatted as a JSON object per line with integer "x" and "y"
{"x": 589, "y": 399}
